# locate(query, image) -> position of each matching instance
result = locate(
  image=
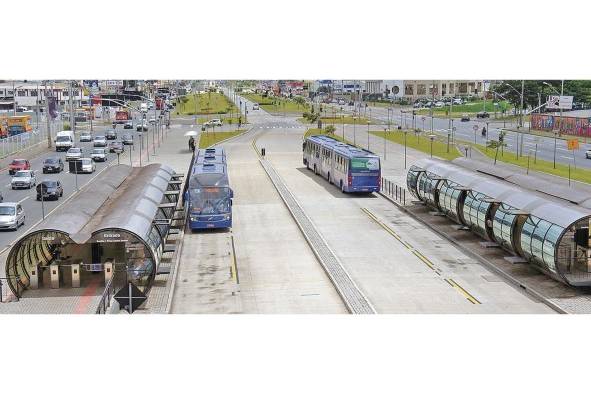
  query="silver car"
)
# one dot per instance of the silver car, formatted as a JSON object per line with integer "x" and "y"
{"x": 87, "y": 165}
{"x": 99, "y": 154}
{"x": 85, "y": 136}
{"x": 100, "y": 141}
{"x": 74, "y": 154}
{"x": 12, "y": 215}
{"x": 23, "y": 179}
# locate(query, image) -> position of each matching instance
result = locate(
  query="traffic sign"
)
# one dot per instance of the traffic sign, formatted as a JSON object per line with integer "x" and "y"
{"x": 130, "y": 295}
{"x": 475, "y": 127}
{"x": 572, "y": 144}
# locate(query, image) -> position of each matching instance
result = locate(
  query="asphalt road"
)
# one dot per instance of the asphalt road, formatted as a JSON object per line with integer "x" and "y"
{"x": 541, "y": 147}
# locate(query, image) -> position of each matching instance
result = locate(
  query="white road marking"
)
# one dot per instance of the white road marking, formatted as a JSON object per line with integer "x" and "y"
{"x": 567, "y": 157}
{"x": 26, "y": 198}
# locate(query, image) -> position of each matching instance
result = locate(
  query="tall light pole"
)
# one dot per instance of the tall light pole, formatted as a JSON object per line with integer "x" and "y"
{"x": 385, "y": 137}
{"x": 368, "y": 134}
{"x": 354, "y": 131}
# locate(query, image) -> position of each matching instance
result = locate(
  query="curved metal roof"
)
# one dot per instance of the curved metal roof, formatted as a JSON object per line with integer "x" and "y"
{"x": 544, "y": 206}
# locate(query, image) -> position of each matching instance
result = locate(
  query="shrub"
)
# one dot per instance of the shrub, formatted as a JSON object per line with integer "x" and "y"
{"x": 330, "y": 129}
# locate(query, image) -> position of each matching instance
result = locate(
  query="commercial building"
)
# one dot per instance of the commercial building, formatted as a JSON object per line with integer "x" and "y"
{"x": 414, "y": 89}
{"x": 31, "y": 94}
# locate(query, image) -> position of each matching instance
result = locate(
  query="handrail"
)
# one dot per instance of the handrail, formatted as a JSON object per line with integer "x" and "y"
{"x": 105, "y": 301}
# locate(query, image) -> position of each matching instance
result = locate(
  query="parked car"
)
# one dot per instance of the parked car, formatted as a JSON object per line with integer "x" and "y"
{"x": 152, "y": 120}
{"x": 74, "y": 154}
{"x": 483, "y": 115}
{"x": 439, "y": 104}
{"x": 12, "y": 215}
{"x": 111, "y": 134}
{"x": 85, "y": 136}
{"x": 49, "y": 189}
{"x": 87, "y": 166}
{"x": 23, "y": 179}
{"x": 128, "y": 125}
{"x": 116, "y": 147}
{"x": 100, "y": 141}
{"x": 99, "y": 154}
{"x": 127, "y": 139}
{"x": 141, "y": 127}
{"x": 458, "y": 101}
{"x": 255, "y": 106}
{"x": 18, "y": 165}
{"x": 465, "y": 118}
{"x": 588, "y": 154}
{"x": 53, "y": 164}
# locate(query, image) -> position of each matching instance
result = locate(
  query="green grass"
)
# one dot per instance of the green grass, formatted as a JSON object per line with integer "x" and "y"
{"x": 323, "y": 132}
{"x": 578, "y": 174}
{"x": 205, "y": 103}
{"x": 276, "y": 104}
{"x": 209, "y": 138}
{"x": 421, "y": 143}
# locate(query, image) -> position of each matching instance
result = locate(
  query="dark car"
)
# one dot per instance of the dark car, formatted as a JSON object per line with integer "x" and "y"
{"x": 53, "y": 164}
{"x": 465, "y": 118}
{"x": 116, "y": 147}
{"x": 49, "y": 189}
{"x": 141, "y": 127}
{"x": 18, "y": 165}
{"x": 111, "y": 134}
{"x": 127, "y": 139}
{"x": 128, "y": 125}
{"x": 483, "y": 115}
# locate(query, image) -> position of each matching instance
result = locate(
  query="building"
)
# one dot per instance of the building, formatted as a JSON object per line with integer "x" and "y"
{"x": 31, "y": 94}
{"x": 414, "y": 89}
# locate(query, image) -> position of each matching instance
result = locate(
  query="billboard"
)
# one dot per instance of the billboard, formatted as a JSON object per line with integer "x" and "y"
{"x": 560, "y": 102}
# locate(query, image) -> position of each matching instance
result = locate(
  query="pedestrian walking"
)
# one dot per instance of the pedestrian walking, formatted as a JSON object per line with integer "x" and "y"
{"x": 192, "y": 144}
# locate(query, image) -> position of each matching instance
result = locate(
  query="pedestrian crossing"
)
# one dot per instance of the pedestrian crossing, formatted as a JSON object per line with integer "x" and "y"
{"x": 281, "y": 127}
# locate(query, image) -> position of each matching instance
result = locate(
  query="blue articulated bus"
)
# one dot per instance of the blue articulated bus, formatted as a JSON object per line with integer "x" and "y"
{"x": 209, "y": 196}
{"x": 352, "y": 169}
{"x": 210, "y": 155}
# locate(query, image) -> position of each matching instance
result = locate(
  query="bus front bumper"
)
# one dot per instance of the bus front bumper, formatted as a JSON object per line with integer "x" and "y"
{"x": 215, "y": 221}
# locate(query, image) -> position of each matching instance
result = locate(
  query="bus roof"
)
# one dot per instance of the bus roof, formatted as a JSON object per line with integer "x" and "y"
{"x": 209, "y": 175}
{"x": 220, "y": 159}
{"x": 341, "y": 147}
{"x": 218, "y": 151}
{"x": 209, "y": 168}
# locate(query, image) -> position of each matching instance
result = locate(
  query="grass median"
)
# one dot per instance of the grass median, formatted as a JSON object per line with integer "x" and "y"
{"x": 209, "y": 103}
{"x": 209, "y": 138}
{"x": 323, "y": 132}
{"x": 421, "y": 142}
{"x": 277, "y": 104}
{"x": 561, "y": 170}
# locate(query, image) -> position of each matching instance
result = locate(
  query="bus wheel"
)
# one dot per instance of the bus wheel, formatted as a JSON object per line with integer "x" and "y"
{"x": 315, "y": 172}
{"x": 342, "y": 187}
{"x": 307, "y": 165}
{"x": 329, "y": 180}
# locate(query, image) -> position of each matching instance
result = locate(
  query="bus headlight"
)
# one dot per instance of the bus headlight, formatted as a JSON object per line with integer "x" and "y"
{"x": 226, "y": 217}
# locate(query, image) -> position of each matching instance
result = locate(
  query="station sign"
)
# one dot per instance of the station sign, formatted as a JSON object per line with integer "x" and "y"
{"x": 111, "y": 237}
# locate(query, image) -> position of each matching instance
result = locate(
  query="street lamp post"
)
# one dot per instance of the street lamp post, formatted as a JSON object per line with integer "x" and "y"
{"x": 354, "y": 130}
{"x": 555, "y": 135}
{"x": 431, "y": 137}
{"x": 405, "y": 133}
{"x": 368, "y": 135}
{"x": 385, "y": 138}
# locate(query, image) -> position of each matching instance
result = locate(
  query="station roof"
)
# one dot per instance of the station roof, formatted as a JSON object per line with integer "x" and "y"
{"x": 495, "y": 183}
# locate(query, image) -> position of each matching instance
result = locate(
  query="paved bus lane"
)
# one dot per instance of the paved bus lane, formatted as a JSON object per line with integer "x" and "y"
{"x": 418, "y": 273}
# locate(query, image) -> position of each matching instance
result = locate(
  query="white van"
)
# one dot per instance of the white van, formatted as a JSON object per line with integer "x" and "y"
{"x": 64, "y": 140}
{"x": 144, "y": 107}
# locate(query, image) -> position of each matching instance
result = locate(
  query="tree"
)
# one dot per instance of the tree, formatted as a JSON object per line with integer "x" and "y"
{"x": 330, "y": 129}
{"x": 494, "y": 144}
{"x": 300, "y": 101}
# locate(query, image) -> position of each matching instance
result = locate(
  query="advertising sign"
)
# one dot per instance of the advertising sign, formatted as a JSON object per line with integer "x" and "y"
{"x": 560, "y": 102}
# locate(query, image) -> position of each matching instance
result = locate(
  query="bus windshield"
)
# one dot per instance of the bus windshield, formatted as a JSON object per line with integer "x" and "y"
{"x": 365, "y": 164}
{"x": 210, "y": 200}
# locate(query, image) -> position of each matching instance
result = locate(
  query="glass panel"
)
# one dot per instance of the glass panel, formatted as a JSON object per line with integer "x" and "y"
{"x": 526, "y": 235}
{"x": 538, "y": 239}
{"x": 549, "y": 247}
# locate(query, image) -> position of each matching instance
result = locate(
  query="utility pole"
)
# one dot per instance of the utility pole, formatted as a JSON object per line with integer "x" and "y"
{"x": 72, "y": 120}
{"x": 47, "y": 115}
{"x": 561, "y": 94}
{"x": 521, "y": 107}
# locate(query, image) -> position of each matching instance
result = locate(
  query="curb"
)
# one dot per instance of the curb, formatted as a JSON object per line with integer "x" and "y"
{"x": 491, "y": 267}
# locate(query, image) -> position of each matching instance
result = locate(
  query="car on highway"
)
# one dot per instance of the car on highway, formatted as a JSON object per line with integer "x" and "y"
{"x": 53, "y": 164}
{"x": 99, "y": 154}
{"x": 74, "y": 154}
{"x": 116, "y": 147}
{"x": 439, "y": 104}
{"x": 341, "y": 102}
{"x": 482, "y": 115}
{"x": 588, "y": 154}
{"x": 255, "y": 107}
{"x": 49, "y": 189}
{"x": 127, "y": 139}
{"x": 99, "y": 141}
{"x": 152, "y": 120}
{"x": 86, "y": 136}
{"x": 111, "y": 134}
{"x": 465, "y": 118}
{"x": 213, "y": 122}
{"x": 141, "y": 127}
{"x": 128, "y": 125}
{"x": 24, "y": 179}
{"x": 87, "y": 166}
{"x": 458, "y": 101}
{"x": 18, "y": 165}
{"x": 12, "y": 215}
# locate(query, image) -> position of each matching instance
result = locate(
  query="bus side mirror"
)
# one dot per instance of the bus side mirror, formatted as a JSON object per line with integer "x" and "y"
{"x": 231, "y": 193}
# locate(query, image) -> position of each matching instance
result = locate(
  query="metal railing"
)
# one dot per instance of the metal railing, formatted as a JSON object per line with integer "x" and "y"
{"x": 108, "y": 293}
{"x": 19, "y": 142}
{"x": 391, "y": 189}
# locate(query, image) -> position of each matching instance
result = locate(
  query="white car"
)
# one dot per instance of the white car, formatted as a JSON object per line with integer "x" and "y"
{"x": 458, "y": 101}
{"x": 152, "y": 120}
{"x": 99, "y": 154}
{"x": 100, "y": 141}
{"x": 87, "y": 166}
{"x": 255, "y": 107}
{"x": 588, "y": 154}
{"x": 12, "y": 215}
{"x": 214, "y": 122}
{"x": 74, "y": 154}
{"x": 85, "y": 136}
{"x": 23, "y": 179}
{"x": 440, "y": 104}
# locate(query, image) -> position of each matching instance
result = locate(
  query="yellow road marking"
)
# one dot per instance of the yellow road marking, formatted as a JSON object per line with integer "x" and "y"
{"x": 421, "y": 257}
{"x": 459, "y": 288}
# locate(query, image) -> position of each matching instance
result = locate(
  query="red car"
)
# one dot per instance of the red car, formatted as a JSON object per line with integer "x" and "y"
{"x": 18, "y": 165}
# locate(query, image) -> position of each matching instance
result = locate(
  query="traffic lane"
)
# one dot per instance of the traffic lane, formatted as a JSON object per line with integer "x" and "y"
{"x": 34, "y": 209}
